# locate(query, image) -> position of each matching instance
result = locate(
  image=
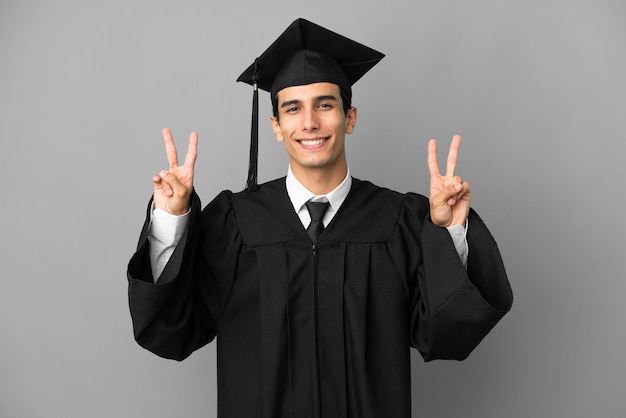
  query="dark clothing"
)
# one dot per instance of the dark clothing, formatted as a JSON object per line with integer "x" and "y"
{"x": 325, "y": 331}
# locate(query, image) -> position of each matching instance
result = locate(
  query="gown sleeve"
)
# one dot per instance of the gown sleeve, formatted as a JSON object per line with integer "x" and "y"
{"x": 453, "y": 307}
{"x": 179, "y": 313}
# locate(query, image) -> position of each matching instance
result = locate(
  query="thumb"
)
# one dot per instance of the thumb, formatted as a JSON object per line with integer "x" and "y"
{"x": 174, "y": 195}
{"x": 447, "y": 195}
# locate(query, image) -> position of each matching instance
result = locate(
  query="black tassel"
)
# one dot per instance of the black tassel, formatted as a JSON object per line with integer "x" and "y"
{"x": 251, "y": 184}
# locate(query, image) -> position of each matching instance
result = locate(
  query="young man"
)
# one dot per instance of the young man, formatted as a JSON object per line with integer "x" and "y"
{"x": 317, "y": 284}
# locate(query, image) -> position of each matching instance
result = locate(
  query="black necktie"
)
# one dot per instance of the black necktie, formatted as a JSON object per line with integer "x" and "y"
{"x": 317, "y": 211}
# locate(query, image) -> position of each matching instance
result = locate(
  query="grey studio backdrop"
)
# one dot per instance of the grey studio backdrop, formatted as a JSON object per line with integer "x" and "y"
{"x": 536, "y": 88}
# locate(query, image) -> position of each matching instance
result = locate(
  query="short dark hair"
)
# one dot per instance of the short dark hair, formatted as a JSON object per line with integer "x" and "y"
{"x": 345, "y": 100}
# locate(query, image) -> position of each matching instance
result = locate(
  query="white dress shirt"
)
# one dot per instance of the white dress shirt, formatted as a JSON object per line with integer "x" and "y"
{"x": 299, "y": 195}
{"x": 166, "y": 229}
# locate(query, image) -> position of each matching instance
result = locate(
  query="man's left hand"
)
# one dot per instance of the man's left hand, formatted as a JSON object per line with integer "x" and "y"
{"x": 449, "y": 194}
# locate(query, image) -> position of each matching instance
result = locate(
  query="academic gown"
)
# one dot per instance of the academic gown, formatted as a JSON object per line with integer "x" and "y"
{"x": 318, "y": 331}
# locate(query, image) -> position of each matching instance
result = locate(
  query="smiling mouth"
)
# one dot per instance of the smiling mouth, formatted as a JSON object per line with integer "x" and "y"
{"x": 312, "y": 142}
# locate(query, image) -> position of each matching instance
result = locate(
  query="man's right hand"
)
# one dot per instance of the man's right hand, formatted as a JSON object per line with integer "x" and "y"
{"x": 172, "y": 189}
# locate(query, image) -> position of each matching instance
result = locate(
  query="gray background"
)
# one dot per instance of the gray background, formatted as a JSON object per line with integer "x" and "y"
{"x": 535, "y": 87}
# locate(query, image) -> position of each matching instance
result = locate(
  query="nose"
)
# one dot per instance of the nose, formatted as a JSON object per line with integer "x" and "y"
{"x": 309, "y": 120}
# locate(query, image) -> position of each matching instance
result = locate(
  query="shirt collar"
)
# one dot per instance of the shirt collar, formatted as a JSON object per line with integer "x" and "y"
{"x": 299, "y": 195}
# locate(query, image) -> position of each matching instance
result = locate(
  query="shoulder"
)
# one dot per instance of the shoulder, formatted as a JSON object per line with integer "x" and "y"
{"x": 370, "y": 195}
{"x": 372, "y": 213}
{"x": 228, "y": 199}
{"x": 269, "y": 190}
{"x": 265, "y": 216}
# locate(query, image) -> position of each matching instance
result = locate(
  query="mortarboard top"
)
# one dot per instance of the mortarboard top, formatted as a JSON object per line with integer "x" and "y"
{"x": 305, "y": 53}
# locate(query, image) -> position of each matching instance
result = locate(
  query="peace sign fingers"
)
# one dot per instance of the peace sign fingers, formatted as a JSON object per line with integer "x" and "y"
{"x": 433, "y": 164}
{"x": 172, "y": 154}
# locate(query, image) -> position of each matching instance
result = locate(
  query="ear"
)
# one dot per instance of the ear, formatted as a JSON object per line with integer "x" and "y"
{"x": 276, "y": 128}
{"x": 351, "y": 117}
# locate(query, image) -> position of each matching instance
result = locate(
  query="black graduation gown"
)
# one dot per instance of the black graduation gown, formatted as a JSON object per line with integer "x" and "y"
{"x": 325, "y": 332}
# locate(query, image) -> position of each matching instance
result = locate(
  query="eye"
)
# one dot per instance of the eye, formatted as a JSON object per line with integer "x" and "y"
{"x": 325, "y": 106}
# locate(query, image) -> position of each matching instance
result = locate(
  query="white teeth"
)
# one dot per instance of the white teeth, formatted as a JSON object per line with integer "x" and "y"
{"x": 312, "y": 142}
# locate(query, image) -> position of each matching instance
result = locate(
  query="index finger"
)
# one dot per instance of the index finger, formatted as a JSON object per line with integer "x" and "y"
{"x": 192, "y": 150}
{"x": 433, "y": 165}
{"x": 170, "y": 149}
{"x": 453, "y": 155}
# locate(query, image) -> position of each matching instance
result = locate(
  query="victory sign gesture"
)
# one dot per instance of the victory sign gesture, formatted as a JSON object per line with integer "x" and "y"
{"x": 449, "y": 195}
{"x": 172, "y": 189}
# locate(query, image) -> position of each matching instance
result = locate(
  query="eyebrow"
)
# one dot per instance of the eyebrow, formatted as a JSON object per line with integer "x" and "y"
{"x": 316, "y": 99}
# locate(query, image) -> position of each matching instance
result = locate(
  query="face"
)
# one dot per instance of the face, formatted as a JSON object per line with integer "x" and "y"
{"x": 312, "y": 125}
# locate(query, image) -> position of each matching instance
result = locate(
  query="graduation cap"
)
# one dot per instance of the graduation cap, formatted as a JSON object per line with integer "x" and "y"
{"x": 304, "y": 53}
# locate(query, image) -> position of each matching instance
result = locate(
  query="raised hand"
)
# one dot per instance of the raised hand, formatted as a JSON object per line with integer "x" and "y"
{"x": 172, "y": 189}
{"x": 449, "y": 195}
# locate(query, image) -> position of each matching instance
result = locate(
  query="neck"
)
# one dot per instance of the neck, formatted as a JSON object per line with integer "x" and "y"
{"x": 320, "y": 180}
